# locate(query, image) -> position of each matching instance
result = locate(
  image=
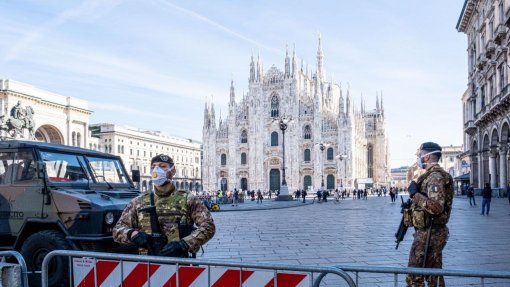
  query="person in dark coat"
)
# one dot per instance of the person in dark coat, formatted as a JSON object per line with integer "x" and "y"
{"x": 486, "y": 201}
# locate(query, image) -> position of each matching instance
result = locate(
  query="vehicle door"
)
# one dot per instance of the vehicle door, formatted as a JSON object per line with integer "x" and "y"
{"x": 21, "y": 195}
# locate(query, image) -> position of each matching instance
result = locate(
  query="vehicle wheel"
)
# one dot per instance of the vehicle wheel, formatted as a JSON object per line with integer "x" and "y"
{"x": 35, "y": 248}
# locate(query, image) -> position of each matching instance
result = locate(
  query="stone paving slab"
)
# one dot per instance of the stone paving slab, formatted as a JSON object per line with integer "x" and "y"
{"x": 361, "y": 232}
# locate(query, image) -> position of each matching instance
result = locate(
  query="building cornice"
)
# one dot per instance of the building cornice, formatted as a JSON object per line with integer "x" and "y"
{"x": 46, "y": 102}
{"x": 465, "y": 15}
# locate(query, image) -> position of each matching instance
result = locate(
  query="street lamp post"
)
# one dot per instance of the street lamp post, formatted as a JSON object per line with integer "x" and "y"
{"x": 284, "y": 189}
{"x": 322, "y": 148}
{"x": 343, "y": 157}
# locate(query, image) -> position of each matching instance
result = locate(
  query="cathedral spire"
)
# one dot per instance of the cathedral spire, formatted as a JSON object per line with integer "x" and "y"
{"x": 252, "y": 69}
{"x": 362, "y": 107}
{"x": 206, "y": 115}
{"x": 320, "y": 57}
{"x": 341, "y": 103}
{"x": 382, "y": 107}
{"x": 259, "y": 68}
{"x": 348, "y": 100}
{"x": 232, "y": 102}
{"x": 287, "y": 62}
{"x": 213, "y": 117}
{"x": 294, "y": 61}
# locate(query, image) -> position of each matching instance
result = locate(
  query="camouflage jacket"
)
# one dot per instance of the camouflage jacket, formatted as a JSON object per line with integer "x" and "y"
{"x": 195, "y": 212}
{"x": 437, "y": 185}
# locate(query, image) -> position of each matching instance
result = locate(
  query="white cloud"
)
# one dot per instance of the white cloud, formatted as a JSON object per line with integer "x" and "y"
{"x": 219, "y": 26}
{"x": 90, "y": 9}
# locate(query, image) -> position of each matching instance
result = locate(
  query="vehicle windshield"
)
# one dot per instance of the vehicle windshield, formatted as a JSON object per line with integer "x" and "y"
{"x": 62, "y": 167}
{"x": 107, "y": 170}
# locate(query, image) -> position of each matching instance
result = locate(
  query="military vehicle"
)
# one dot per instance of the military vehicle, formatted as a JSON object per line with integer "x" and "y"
{"x": 59, "y": 197}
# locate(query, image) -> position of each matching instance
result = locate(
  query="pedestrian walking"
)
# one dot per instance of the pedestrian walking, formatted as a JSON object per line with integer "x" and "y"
{"x": 303, "y": 195}
{"x": 177, "y": 212}
{"x": 486, "y": 200}
{"x": 471, "y": 195}
{"x": 508, "y": 192}
{"x": 325, "y": 195}
{"x": 220, "y": 196}
{"x": 236, "y": 197}
{"x": 259, "y": 196}
{"x": 431, "y": 196}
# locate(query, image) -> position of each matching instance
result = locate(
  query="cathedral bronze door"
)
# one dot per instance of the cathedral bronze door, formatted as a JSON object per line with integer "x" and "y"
{"x": 223, "y": 184}
{"x": 307, "y": 182}
{"x": 244, "y": 183}
{"x": 274, "y": 179}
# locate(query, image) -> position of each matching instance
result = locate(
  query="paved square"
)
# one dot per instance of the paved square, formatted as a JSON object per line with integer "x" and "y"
{"x": 360, "y": 232}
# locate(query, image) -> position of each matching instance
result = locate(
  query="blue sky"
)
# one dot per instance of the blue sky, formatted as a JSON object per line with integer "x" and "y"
{"x": 152, "y": 63}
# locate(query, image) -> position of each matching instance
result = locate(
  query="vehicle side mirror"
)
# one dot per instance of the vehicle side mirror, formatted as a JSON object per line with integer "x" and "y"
{"x": 135, "y": 175}
{"x": 41, "y": 169}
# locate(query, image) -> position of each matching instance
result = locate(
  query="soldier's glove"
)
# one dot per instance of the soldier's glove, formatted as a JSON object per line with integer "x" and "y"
{"x": 140, "y": 239}
{"x": 175, "y": 249}
{"x": 413, "y": 188}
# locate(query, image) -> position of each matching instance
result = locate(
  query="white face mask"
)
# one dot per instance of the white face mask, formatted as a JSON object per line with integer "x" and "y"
{"x": 159, "y": 177}
{"x": 422, "y": 164}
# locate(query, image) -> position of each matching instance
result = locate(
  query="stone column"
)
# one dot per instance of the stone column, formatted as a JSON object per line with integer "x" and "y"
{"x": 492, "y": 167}
{"x": 503, "y": 150}
{"x": 481, "y": 179}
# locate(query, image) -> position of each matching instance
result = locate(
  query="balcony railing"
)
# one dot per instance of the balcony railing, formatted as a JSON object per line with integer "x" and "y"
{"x": 469, "y": 127}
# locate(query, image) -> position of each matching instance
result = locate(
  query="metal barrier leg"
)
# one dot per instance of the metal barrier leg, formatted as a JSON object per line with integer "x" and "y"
{"x": 21, "y": 262}
{"x": 396, "y": 280}
{"x": 344, "y": 275}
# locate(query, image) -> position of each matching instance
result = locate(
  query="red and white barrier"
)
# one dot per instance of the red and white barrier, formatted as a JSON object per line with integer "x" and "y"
{"x": 90, "y": 273}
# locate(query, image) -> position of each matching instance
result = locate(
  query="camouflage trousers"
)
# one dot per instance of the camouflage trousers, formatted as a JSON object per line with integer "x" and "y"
{"x": 438, "y": 238}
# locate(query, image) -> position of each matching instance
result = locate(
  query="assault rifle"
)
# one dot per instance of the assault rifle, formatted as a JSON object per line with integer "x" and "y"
{"x": 402, "y": 228}
{"x": 157, "y": 239}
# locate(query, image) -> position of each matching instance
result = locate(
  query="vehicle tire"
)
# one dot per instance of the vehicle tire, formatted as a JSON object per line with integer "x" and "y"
{"x": 35, "y": 248}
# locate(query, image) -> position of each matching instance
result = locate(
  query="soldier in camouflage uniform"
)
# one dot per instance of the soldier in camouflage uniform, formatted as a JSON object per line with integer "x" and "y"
{"x": 174, "y": 208}
{"x": 432, "y": 195}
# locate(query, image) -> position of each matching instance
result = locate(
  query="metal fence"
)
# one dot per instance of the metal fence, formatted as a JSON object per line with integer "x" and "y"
{"x": 240, "y": 268}
{"x": 391, "y": 276}
{"x": 21, "y": 262}
{"x": 343, "y": 274}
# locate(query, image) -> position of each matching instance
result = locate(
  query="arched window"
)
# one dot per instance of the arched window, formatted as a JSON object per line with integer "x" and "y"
{"x": 74, "y": 138}
{"x": 275, "y": 106}
{"x": 307, "y": 154}
{"x": 307, "y": 132}
{"x": 243, "y": 158}
{"x": 274, "y": 139}
{"x": 244, "y": 136}
{"x": 223, "y": 159}
{"x": 330, "y": 153}
{"x": 330, "y": 181}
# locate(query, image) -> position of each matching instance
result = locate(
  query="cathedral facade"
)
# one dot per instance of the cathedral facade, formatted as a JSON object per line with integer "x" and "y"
{"x": 328, "y": 142}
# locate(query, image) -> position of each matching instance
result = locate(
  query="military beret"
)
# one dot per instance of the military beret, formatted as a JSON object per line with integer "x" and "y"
{"x": 430, "y": 146}
{"x": 162, "y": 158}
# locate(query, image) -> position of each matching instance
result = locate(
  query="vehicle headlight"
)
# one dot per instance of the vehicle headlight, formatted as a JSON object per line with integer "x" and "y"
{"x": 109, "y": 218}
